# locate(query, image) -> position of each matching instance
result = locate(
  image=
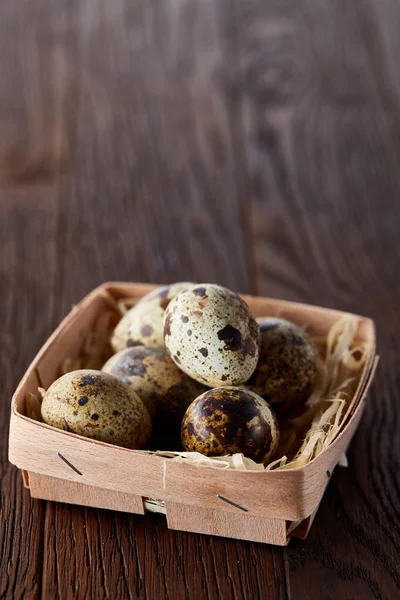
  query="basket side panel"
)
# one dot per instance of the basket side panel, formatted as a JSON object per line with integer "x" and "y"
{"x": 72, "y": 492}
{"x": 226, "y": 524}
{"x": 269, "y": 494}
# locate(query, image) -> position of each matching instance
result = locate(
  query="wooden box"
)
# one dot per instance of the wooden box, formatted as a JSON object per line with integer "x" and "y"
{"x": 61, "y": 466}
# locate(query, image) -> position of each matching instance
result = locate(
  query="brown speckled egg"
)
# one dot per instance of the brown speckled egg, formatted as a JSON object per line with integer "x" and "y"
{"x": 227, "y": 420}
{"x": 99, "y": 406}
{"x": 143, "y": 324}
{"x": 211, "y": 335}
{"x": 162, "y": 386}
{"x": 287, "y": 366}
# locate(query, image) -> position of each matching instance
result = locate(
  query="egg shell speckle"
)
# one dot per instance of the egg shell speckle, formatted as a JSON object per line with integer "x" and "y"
{"x": 228, "y": 420}
{"x": 211, "y": 335}
{"x": 162, "y": 386}
{"x": 99, "y": 406}
{"x": 143, "y": 324}
{"x": 288, "y": 363}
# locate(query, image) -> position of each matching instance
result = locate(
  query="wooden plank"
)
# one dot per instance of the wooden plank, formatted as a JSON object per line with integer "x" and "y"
{"x": 319, "y": 87}
{"x": 72, "y": 492}
{"x": 157, "y": 167}
{"x": 227, "y": 524}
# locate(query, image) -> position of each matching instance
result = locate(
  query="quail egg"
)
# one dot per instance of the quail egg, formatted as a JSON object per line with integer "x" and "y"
{"x": 98, "y": 406}
{"x": 162, "y": 386}
{"x": 287, "y": 367}
{"x": 211, "y": 335}
{"x": 227, "y": 420}
{"x": 142, "y": 325}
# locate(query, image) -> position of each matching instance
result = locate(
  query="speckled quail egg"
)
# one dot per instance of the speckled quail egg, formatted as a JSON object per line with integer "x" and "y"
{"x": 227, "y": 420}
{"x": 287, "y": 367}
{"x": 143, "y": 324}
{"x": 162, "y": 386}
{"x": 98, "y": 406}
{"x": 211, "y": 335}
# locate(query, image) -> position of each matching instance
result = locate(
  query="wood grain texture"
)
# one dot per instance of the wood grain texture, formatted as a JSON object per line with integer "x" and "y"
{"x": 31, "y": 99}
{"x": 226, "y": 524}
{"x": 251, "y": 143}
{"x": 62, "y": 490}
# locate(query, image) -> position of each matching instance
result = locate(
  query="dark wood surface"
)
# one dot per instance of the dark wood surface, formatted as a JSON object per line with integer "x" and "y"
{"x": 255, "y": 144}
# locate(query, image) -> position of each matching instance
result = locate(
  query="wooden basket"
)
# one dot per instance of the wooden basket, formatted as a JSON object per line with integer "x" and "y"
{"x": 64, "y": 467}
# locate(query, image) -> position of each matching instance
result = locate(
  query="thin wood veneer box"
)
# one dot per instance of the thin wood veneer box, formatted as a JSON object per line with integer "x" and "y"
{"x": 278, "y": 504}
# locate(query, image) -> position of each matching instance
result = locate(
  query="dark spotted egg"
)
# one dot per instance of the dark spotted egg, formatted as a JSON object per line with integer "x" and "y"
{"x": 228, "y": 420}
{"x": 99, "y": 406}
{"x": 162, "y": 386}
{"x": 143, "y": 324}
{"x": 211, "y": 335}
{"x": 287, "y": 367}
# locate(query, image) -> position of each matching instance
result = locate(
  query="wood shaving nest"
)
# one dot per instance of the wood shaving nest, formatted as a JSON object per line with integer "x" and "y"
{"x": 303, "y": 436}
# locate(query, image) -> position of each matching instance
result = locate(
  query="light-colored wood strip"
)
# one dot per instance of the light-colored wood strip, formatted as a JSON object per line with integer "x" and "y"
{"x": 227, "y": 524}
{"x": 73, "y": 492}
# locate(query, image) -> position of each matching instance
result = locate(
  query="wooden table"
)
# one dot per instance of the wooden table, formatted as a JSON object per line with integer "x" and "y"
{"x": 252, "y": 143}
